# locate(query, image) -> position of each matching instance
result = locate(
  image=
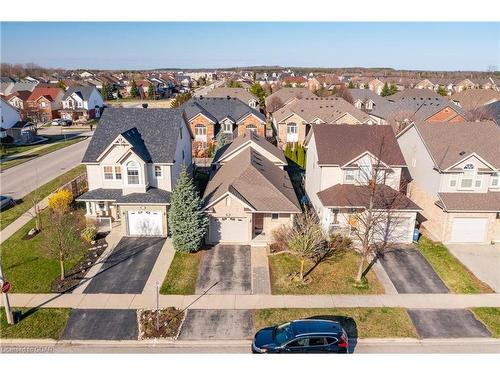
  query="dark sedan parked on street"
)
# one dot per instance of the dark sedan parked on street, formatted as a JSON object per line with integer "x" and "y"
{"x": 302, "y": 336}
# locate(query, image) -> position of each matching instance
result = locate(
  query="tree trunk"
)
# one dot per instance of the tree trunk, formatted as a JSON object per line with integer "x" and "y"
{"x": 61, "y": 264}
{"x": 360, "y": 269}
{"x": 302, "y": 270}
{"x": 37, "y": 219}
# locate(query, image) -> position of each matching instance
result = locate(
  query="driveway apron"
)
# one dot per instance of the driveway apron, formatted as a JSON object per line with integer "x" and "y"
{"x": 227, "y": 265}
{"x": 410, "y": 272}
{"x": 126, "y": 270}
{"x": 96, "y": 324}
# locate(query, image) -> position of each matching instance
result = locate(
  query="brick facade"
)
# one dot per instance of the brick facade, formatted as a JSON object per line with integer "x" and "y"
{"x": 252, "y": 120}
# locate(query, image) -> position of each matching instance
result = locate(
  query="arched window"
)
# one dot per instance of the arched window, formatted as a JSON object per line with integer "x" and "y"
{"x": 468, "y": 166}
{"x": 132, "y": 173}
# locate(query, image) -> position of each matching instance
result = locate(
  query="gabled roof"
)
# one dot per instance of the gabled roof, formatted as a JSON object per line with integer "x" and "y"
{"x": 49, "y": 92}
{"x": 248, "y": 139}
{"x": 339, "y": 144}
{"x": 413, "y": 94}
{"x": 218, "y": 109}
{"x": 480, "y": 202}
{"x": 357, "y": 196}
{"x": 236, "y": 92}
{"x": 255, "y": 181}
{"x": 328, "y": 109}
{"x": 83, "y": 92}
{"x": 23, "y": 95}
{"x": 450, "y": 142}
{"x": 474, "y": 98}
{"x": 152, "y": 131}
{"x": 286, "y": 94}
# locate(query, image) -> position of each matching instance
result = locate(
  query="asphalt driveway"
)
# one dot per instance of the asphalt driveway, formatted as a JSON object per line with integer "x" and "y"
{"x": 410, "y": 272}
{"x": 95, "y": 324}
{"x": 449, "y": 323}
{"x": 217, "y": 325}
{"x": 127, "y": 268}
{"x": 229, "y": 266}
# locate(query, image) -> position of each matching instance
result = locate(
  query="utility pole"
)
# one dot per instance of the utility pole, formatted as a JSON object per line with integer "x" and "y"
{"x": 5, "y": 297}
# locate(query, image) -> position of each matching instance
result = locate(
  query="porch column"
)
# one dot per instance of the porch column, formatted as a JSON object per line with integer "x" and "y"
{"x": 87, "y": 207}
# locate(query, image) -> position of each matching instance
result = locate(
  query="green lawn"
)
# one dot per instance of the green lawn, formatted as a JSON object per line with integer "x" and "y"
{"x": 490, "y": 316}
{"x": 454, "y": 274}
{"x": 56, "y": 146}
{"x": 11, "y": 214}
{"x": 26, "y": 266}
{"x": 41, "y": 324}
{"x": 182, "y": 274}
{"x": 369, "y": 322}
{"x": 334, "y": 276}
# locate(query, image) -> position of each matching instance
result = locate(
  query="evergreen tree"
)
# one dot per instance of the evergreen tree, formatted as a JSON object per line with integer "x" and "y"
{"x": 442, "y": 91}
{"x": 259, "y": 92}
{"x": 134, "y": 91}
{"x": 385, "y": 90}
{"x": 151, "y": 91}
{"x": 61, "y": 85}
{"x": 301, "y": 153}
{"x": 105, "y": 91}
{"x": 351, "y": 85}
{"x": 188, "y": 223}
{"x": 393, "y": 89}
{"x": 288, "y": 153}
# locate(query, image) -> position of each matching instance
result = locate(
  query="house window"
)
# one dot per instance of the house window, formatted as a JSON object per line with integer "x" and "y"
{"x": 467, "y": 177}
{"x": 132, "y": 173}
{"x": 453, "y": 180}
{"x": 227, "y": 127}
{"x": 494, "y": 182}
{"x": 335, "y": 214}
{"x": 183, "y": 155}
{"x": 118, "y": 172}
{"x": 180, "y": 133}
{"x": 200, "y": 130}
{"x": 108, "y": 173}
{"x": 479, "y": 181}
{"x": 158, "y": 172}
{"x": 228, "y": 201}
{"x": 43, "y": 104}
{"x": 291, "y": 128}
{"x": 251, "y": 127}
{"x": 350, "y": 176}
{"x": 275, "y": 217}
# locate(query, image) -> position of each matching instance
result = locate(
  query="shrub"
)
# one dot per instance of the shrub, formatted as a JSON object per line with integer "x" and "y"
{"x": 89, "y": 233}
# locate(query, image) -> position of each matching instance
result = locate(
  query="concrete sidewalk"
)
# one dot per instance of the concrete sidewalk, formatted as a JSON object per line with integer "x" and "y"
{"x": 148, "y": 301}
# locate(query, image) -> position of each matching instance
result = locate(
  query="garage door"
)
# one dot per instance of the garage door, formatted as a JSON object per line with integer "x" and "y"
{"x": 395, "y": 230}
{"x": 228, "y": 229}
{"x": 145, "y": 223}
{"x": 469, "y": 229}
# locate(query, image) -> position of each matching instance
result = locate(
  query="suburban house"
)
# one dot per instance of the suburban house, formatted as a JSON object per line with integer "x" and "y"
{"x": 425, "y": 84}
{"x": 81, "y": 103}
{"x": 133, "y": 162}
{"x": 249, "y": 193}
{"x": 230, "y": 117}
{"x": 464, "y": 84}
{"x": 12, "y": 125}
{"x": 475, "y": 98}
{"x": 284, "y": 96}
{"x": 44, "y": 103}
{"x": 367, "y": 101}
{"x": 341, "y": 163}
{"x": 455, "y": 179}
{"x": 292, "y": 122}
{"x": 236, "y": 92}
{"x": 18, "y": 100}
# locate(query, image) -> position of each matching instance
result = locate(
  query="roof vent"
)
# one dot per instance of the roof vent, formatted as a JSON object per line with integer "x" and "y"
{"x": 461, "y": 153}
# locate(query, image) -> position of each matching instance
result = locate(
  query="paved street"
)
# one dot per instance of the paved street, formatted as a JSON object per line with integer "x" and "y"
{"x": 227, "y": 265}
{"x": 482, "y": 260}
{"x": 410, "y": 272}
{"x": 24, "y": 178}
{"x": 126, "y": 270}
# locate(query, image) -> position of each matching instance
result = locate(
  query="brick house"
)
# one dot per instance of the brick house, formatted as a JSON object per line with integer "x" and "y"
{"x": 81, "y": 103}
{"x": 208, "y": 117}
{"x": 44, "y": 103}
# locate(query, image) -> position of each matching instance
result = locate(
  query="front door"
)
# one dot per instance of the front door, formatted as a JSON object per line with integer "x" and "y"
{"x": 258, "y": 224}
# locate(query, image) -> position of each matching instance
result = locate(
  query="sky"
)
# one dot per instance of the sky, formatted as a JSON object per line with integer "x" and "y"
{"x": 150, "y": 45}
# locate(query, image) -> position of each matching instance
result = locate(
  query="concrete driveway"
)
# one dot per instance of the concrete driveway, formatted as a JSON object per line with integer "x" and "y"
{"x": 95, "y": 324}
{"x": 482, "y": 260}
{"x": 439, "y": 323}
{"x": 230, "y": 266}
{"x": 127, "y": 268}
{"x": 410, "y": 272}
{"x": 217, "y": 325}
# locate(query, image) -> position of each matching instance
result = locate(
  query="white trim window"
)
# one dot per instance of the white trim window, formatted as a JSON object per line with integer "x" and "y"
{"x": 132, "y": 173}
{"x": 292, "y": 132}
{"x": 108, "y": 172}
{"x": 43, "y": 104}
{"x": 494, "y": 181}
{"x": 227, "y": 127}
{"x": 467, "y": 180}
{"x": 158, "y": 172}
{"x": 350, "y": 176}
{"x": 251, "y": 127}
{"x": 118, "y": 172}
{"x": 200, "y": 132}
{"x": 453, "y": 180}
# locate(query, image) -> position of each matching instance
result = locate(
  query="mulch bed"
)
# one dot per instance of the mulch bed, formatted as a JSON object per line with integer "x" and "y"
{"x": 74, "y": 276}
{"x": 170, "y": 322}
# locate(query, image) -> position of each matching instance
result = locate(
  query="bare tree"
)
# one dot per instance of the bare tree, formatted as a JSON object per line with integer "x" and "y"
{"x": 274, "y": 104}
{"x": 343, "y": 92}
{"x": 479, "y": 113}
{"x": 400, "y": 119}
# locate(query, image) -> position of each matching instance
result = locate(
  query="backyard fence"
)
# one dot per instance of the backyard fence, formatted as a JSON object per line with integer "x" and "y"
{"x": 76, "y": 186}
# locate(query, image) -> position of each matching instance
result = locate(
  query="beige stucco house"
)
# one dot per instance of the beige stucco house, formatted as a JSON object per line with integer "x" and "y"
{"x": 455, "y": 179}
{"x": 249, "y": 193}
{"x": 133, "y": 162}
{"x": 342, "y": 162}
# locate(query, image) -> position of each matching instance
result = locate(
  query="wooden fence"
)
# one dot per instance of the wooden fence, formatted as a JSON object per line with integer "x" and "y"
{"x": 76, "y": 186}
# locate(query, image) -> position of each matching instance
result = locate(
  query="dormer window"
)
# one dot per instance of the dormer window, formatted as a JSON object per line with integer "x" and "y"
{"x": 227, "y": 127}
{"x": 132, "y": 173}
{"x": 467, "y": 177}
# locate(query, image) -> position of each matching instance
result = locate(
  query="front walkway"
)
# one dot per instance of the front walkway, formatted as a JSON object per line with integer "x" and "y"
{"x": 249, "y": 301}
{"x": 482, "y": 260}
{"x": 261, "y": 281}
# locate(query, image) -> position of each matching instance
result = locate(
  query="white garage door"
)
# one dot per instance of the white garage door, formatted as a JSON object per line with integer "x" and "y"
{"x": 469, "y": 229}
{"x": 228, "y": 229}
{"x": 145, "y": 223}
{"x": 395, "y": 230}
